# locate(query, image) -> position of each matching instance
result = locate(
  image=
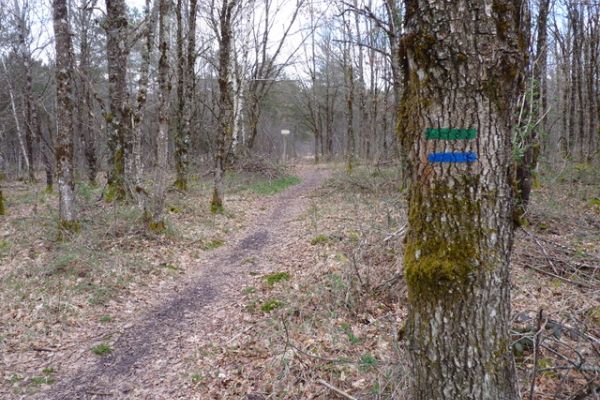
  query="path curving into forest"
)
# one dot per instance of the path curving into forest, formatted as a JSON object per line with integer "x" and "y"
{"x": 150, "y": 353}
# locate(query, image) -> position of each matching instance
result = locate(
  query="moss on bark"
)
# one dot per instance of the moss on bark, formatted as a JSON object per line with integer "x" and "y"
{"x": 442, "y": 249}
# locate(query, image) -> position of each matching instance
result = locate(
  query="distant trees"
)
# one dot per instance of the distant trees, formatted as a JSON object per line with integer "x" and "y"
{"x": 456, "y": 115}
{"x": 333, "y": 74}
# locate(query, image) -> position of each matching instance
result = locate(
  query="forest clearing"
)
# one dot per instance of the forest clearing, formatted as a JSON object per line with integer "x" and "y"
{"x": 300, "y": 199}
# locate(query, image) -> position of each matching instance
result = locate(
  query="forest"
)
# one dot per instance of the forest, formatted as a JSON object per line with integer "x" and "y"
{"x": 300, "y": 199}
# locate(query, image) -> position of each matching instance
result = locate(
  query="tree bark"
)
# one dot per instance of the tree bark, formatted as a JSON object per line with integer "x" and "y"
{"x": 64, "y": 93}
{"x": 142, "y": 95}
{"x": 45, "y": 148}
{"x": 155, "y": 215}
{"x": 85, "y": 116}
{"x": 349, "y": 83}
{"x": 13, "y": 106}
{"x": 119, "y": 116}
{"x": 181, "y": 140}
{"x": 29, "y": 112}
{"x": 463, "y": 62}
{"x": 225, "y": 115}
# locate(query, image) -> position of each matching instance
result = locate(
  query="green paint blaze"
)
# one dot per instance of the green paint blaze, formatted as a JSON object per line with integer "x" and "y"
{"x": 450, "y": 133}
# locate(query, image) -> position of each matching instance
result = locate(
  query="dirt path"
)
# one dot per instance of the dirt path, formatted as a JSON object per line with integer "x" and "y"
{"x": 151, "y": 352}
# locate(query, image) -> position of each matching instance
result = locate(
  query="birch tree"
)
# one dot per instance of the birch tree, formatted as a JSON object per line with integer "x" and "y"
{"x": 463, "y": 64}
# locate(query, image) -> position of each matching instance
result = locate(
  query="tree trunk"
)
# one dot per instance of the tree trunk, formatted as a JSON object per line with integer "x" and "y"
{"x": 119, "y": 117}
{"x": 2, "y": 168}
{"x": 225, "y": 116}
{"x": 45, "y": 148}
{"x": 349, "y": 81}
{"x": 190, "y": 84}
{"x": 85, "y": 104}
{"x": 142, "y": 95}
{"x": 64, "y": 139}
{"x": 463, "y": 62}
{"x": 13, "y": 107}
{"x": 155, "y": 215}
{"x": 181, "y": 140}
{"x": 29, "y": 113}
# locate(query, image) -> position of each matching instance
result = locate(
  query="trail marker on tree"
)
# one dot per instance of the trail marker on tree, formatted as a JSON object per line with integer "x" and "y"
{"x": 451, "y": 134}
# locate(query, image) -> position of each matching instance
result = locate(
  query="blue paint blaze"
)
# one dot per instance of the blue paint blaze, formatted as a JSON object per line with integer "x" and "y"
{"x": 458, "y": 157}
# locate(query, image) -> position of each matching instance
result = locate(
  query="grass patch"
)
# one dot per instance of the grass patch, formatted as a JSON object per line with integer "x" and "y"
{"x": 319, "y": 240}
{"x": 271, "y": 187}
{"x": 275, "y": 277}
{"x": 249, "y": 290}
{"x": 42, "y": 380}
{"x": 367, "y": 362}
{"x": 105, "y": 319}
{"x": 102, "y": 349}
{"x": 213, "y": 244}
{"x": 270, "y": 305}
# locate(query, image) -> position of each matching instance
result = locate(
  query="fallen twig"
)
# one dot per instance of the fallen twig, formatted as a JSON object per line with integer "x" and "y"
{"x": 338, "y": 391}
{"x": 541, "y": 271}
{"x": 398, "y": 232}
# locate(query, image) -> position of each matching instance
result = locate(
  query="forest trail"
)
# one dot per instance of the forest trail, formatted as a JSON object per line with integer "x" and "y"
{"x": 149, "y": 355}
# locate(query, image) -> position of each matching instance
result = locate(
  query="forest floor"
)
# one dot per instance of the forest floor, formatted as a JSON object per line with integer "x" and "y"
{"x": 290, "y": 295}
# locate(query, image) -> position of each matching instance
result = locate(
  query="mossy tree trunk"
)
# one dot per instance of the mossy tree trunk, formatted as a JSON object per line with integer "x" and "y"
{"x": 182, "y": 141}
{"x": 463, "y": 64}
{"x": 64, "y": 137}
{"x": 85, "y": 103}
{"x": 225, "y": 115}
{"x": 2, "y": 209}
{"x": 150, "y": 12}
{"x": 186, "y": 107}
{"x": 118, "y": 119}
{"x": 349, "y": 83}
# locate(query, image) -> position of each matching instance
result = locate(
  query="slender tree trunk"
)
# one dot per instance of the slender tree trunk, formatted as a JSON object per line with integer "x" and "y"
{"x": 45, "y": 148}
{"x": 458, "y": 246}
{"x": 85, "y": 116}
{"x": 29, "y": 113}
{"x": 349, "y": 81}
{"x": 64, "y": 92}
{"x": 225, "y": 116}
{"x": 2, "y": 173}
{"x": 190, "y": 84}
{"x": 13, "y": 107}
{"x": 119, "y": 116}
{"x": 142, "y": 95}
{"x": 155, "y": 214}
{"x": 181, "y": 141}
